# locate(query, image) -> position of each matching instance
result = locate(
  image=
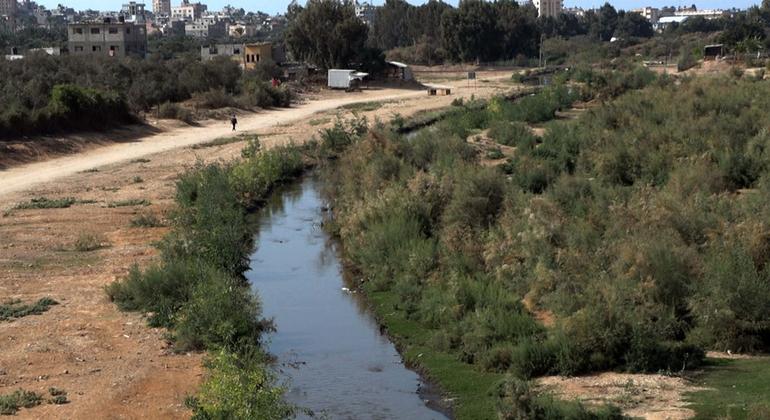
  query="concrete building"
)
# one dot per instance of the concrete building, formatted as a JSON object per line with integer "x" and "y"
{"x": 667, "y": 21}
{"x": 548, "y": 8}
{"x": 133, "y": 12}
{"x": 206, "y": 29}
{"x": 705, "y": 13}
{"x": 188, "y": 11}
{"x": 366, "y": 12}
{"x": 161, "y": 7}
{"x": 109, "y": 37}
{"x": 652, "y": 14}
{"x": 247, "y": 55}
{"x": 238, "y": 30}
{"x": 9, "y": 8}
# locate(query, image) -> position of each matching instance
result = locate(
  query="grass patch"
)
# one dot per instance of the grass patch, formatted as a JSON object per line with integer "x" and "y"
{"x": 137, "y": 179}
{"x": 473, "y": 389}
{"x": 15, "y": 309}
{"x": 11, "y": 403}
{"x": 87, "y": 242}
{"x": 364, "y": 106}
{"x": 46, "y": 203}
{"x": 129, "y": 202}
{"x": 146, "y": 220}
{"x": 736, "y": 389}
{"x": 89, "y": 171}
{"x": 320, "y": 121}
{"x": 141, "y": 160}
{"x": 219, "y": 142}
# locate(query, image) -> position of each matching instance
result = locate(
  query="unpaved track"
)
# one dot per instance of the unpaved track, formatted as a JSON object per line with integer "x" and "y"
{"x": 23, "y": 177}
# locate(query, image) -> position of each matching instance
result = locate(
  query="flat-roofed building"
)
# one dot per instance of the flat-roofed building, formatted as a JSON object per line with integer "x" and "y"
{"x": 161, "y": 7}
{"x": 548, "y": 8}
{"x": 247, "y": 55}
{"x": 188, "y": 11}
{"x": 109, "y": 37}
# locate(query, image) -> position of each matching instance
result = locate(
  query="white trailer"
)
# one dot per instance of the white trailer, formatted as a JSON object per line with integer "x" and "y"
{"x": 344, "y": 79}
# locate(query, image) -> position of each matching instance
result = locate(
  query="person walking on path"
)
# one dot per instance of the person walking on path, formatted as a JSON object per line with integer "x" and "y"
{"x": 234, "y": 121}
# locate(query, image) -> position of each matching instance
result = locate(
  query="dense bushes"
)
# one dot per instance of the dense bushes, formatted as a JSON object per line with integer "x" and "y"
{"x": 45, "y": 94}
{"x": 197, "y": 289}
{"x": 70, "y": 107}
{"x": 643, "y": 240}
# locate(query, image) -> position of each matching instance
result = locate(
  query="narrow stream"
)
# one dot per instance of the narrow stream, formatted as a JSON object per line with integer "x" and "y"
{"x": 327, "y": 343}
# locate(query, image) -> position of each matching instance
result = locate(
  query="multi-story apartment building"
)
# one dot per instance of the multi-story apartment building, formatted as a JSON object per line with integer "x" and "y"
{"x": 188, "y": 11}
{"x": 133, "y": 12}
{"x": 206, "y": 28}
{"x": 161, "y": 7}
{"x": 109, "y": 37}
{"x": 548, "y": 8}
{"x": 366, "y": 12}
{"x": 8, "y": 8}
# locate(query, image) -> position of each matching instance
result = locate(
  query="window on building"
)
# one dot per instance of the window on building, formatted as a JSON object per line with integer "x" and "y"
{"x": 78, "y": 49}
{"x": 96, "y": 48}
{"x": 236, "y": 51}
{"x": 78, "y": 31}
{"x": 113, "y": 30}
{"x": 94, "y": 31}
{"x": 128, "y": 31}
{"x": 257, "y": 58}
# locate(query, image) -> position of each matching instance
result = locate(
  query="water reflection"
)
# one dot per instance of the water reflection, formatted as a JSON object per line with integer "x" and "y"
{"x": 328, "y": 345}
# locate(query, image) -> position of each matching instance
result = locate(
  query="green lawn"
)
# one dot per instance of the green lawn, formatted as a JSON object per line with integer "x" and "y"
{"x": 737, "y": 389}
{"x": 472, "y": 390}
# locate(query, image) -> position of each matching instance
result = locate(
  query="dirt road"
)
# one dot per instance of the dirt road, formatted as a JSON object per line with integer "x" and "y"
{"x": 111, "y": 363}
{"x": 22, "y": 177}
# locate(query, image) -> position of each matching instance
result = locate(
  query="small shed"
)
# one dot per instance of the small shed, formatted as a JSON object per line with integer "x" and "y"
{"x": 714, "y": 51}
{"x": 400, "y": 71}
{"x": 345, "y": 79}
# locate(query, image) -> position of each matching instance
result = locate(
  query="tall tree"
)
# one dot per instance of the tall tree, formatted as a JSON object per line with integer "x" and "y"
{"x": 470, "y": 31}
{"x": 326, "y": 33}
{"x": 390, "y": 29}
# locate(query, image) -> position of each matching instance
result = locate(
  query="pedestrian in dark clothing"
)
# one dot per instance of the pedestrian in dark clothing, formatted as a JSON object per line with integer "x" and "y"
{"x": 234, "y": 121}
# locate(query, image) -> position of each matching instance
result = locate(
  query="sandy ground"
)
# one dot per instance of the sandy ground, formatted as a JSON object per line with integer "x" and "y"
{"x": 653, "y": 397}
{"x": 111, "y": 364}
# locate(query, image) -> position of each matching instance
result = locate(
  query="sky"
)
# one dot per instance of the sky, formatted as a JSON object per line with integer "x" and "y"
{"x": 279, "y": 6}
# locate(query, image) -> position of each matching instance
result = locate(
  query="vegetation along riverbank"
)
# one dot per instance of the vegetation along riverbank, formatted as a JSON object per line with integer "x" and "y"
{"x": 618, "y": 240}
{"x": 622, "y": 240}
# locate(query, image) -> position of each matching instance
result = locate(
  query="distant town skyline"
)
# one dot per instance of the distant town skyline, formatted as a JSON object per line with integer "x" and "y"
{"x": 279, "y": 6}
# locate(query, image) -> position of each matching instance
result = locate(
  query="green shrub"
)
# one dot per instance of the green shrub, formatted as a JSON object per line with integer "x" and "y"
{"x": 14, "y": 309}
{"x": 518, "y": 400}
{"x": 89, "y": 242}
{"x": 239, "y": 387}
{"x": 174, "y": 111}
{"x": 129, "y": 203}
{"x": 215, "y": 99}
{"x": 47, "y": 203}
{"x": 11, "y": 403}
{"x": 512, "y": 134}
{"x": 148, "y": 220}
{"x": 220, "y": 312}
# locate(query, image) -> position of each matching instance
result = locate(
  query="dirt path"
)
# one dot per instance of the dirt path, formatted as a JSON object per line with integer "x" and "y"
{"x": 19, "y": 178}
{"x": 111, "y": 363}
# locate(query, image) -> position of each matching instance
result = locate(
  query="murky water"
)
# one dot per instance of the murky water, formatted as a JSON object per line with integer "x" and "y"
{"x": 327, "y": 344}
